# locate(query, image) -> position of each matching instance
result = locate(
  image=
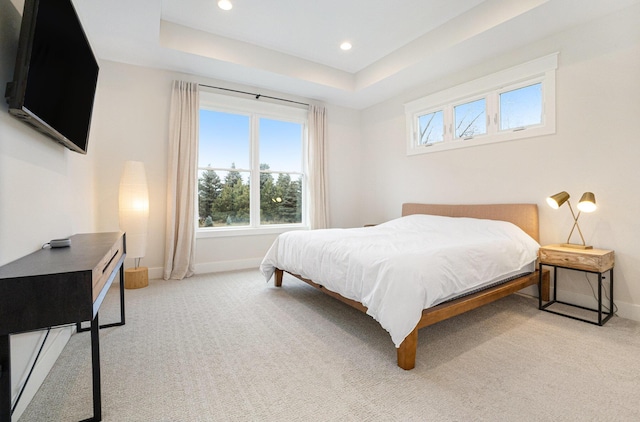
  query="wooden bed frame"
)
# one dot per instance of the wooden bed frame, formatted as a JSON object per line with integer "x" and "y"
{"x": 524, "y": 216}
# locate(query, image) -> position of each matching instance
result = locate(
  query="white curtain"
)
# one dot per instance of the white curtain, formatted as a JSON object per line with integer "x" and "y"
{"x": 180, "y": 246}
{"x": 316, "y": 160}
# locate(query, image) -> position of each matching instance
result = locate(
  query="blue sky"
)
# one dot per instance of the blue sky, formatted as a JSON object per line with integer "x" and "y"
{"x": 225, "y": 138}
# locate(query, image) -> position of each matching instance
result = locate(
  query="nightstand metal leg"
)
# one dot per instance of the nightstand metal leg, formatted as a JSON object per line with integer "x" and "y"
{"x": 611, "y": 291}
{"x": 555, "y": 284}
{"x": 599, "y": 298}
{"x": 540, "y": 286}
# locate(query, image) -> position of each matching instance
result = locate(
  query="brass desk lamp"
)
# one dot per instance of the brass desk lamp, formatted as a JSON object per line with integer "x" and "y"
{"x": 587, "y": 204}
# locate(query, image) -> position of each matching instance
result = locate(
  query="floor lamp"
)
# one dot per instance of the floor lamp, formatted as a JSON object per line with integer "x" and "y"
{"x": 134, "y": 220}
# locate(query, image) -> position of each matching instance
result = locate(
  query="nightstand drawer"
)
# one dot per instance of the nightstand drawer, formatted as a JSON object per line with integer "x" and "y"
{"x": 594, "y": 260}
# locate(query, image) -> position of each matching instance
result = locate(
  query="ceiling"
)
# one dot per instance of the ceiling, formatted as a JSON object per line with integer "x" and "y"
{"x": 292, "y": 46}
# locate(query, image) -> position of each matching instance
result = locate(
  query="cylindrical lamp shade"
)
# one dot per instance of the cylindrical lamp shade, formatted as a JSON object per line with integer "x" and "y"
{"x": 134, "y": 208}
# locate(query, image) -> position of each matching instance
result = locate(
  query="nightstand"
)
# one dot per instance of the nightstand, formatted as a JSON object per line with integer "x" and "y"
{"x": 594, "y": 261}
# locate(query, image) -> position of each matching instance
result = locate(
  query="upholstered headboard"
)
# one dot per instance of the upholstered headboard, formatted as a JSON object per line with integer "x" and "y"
{"x": 524, "y": 216}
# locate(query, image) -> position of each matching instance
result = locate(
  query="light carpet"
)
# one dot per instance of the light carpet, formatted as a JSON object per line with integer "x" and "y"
{"x": 230, "y": 347}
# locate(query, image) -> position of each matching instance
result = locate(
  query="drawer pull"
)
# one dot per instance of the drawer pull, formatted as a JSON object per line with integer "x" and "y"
{"x": 110, "y": 261}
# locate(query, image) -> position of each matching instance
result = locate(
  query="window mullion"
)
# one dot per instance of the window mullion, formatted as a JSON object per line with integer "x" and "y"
{"x": 492, "y": 113}
{"x": 448, "y": 123}
{"x": 254, "y": 188}
{"x": 305, "y": 170}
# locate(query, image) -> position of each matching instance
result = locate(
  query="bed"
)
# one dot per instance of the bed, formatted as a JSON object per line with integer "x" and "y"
{"x": 433, "y": 263}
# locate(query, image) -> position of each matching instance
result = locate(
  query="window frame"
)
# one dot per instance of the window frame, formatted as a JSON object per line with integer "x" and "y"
{"x": 257, "y": 110}
{"x": 541, "y": 70}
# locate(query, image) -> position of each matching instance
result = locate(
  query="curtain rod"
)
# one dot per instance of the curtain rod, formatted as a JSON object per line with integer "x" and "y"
{"x": 258, "y": 96}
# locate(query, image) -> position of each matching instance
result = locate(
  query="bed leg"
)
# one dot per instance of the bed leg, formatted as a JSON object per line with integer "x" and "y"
{"x": 407, "y": 351}
{"x": 277, "y": 277}
{"x": 546, "y": 285}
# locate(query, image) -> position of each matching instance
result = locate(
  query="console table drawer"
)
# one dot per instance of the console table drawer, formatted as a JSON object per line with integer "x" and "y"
{"x": 106, "y": 266}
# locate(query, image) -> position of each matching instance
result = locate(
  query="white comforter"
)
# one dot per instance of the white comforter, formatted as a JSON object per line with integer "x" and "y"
{"x": 398, "y": 268}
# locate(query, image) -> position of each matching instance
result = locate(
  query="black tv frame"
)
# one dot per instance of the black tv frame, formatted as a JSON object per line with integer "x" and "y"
{"x": 16, "y": 90}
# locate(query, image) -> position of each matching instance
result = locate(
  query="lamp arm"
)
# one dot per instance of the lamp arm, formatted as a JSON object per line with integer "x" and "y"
{"x": 575, "y": 224}
{"x": 580, "y": 231}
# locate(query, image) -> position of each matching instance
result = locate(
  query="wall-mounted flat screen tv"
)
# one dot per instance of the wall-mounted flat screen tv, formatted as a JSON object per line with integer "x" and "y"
{"x": 56, "y": 74}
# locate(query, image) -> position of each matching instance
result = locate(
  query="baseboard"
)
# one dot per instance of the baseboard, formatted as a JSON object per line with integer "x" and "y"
{"x": 156, "y": 273}
{"x": 628, "y": 310}
{"x": 239, "y": 264}
{"x": 56, "y": 342}
{"x": 213, "y": 267}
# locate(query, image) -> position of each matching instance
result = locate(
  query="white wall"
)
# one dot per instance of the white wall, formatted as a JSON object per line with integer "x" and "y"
{"x": 131, "y": 121}
{"x": 46, "y": 192}
{"x": 595, "y": 149}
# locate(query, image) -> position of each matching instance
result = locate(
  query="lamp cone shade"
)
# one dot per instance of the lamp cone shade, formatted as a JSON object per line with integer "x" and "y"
{"x": 587, "y": 202}
{"x": 556, "y": 201}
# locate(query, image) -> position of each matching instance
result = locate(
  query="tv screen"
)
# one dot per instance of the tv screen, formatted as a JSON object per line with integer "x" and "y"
{"x": 55, "y": 75}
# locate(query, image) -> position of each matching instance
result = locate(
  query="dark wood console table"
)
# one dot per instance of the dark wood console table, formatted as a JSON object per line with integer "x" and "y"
{"x": 55, "y": 287}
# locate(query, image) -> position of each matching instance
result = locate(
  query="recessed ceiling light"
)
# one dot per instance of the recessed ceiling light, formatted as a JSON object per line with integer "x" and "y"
{"x": 225, "y": 5}
{"x": 345, "y": 46}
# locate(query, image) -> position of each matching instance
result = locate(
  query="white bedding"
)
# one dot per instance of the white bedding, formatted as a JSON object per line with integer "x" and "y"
{"x": 398, "y": 268}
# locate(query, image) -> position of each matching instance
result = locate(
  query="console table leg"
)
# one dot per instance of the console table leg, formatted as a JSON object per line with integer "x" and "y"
{"x": 95, "y": 366}
{"x": 122, "y": 295}
{"x": 5, "y": 378}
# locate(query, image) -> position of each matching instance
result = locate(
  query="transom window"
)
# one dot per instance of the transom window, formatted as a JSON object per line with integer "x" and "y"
{"x": 521, "y": 107}
{"x": 513, "y": 104}
{"x": 470, "y": 119}
{"x": 251, "y": 171}
{"x": 431, "y": 127}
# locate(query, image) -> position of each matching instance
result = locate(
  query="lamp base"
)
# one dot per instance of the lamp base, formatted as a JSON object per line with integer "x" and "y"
{"x": 136, "y": 278}
{"x": 576, "y": 246}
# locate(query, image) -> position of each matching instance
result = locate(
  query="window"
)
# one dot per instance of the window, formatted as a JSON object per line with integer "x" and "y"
{"x": 431, "y": 128}
{"x": 251, "y": 171}
{"x": 521, "y": 107}
{"x": 512, "y": 104}
{"x": 471, "y": 119}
